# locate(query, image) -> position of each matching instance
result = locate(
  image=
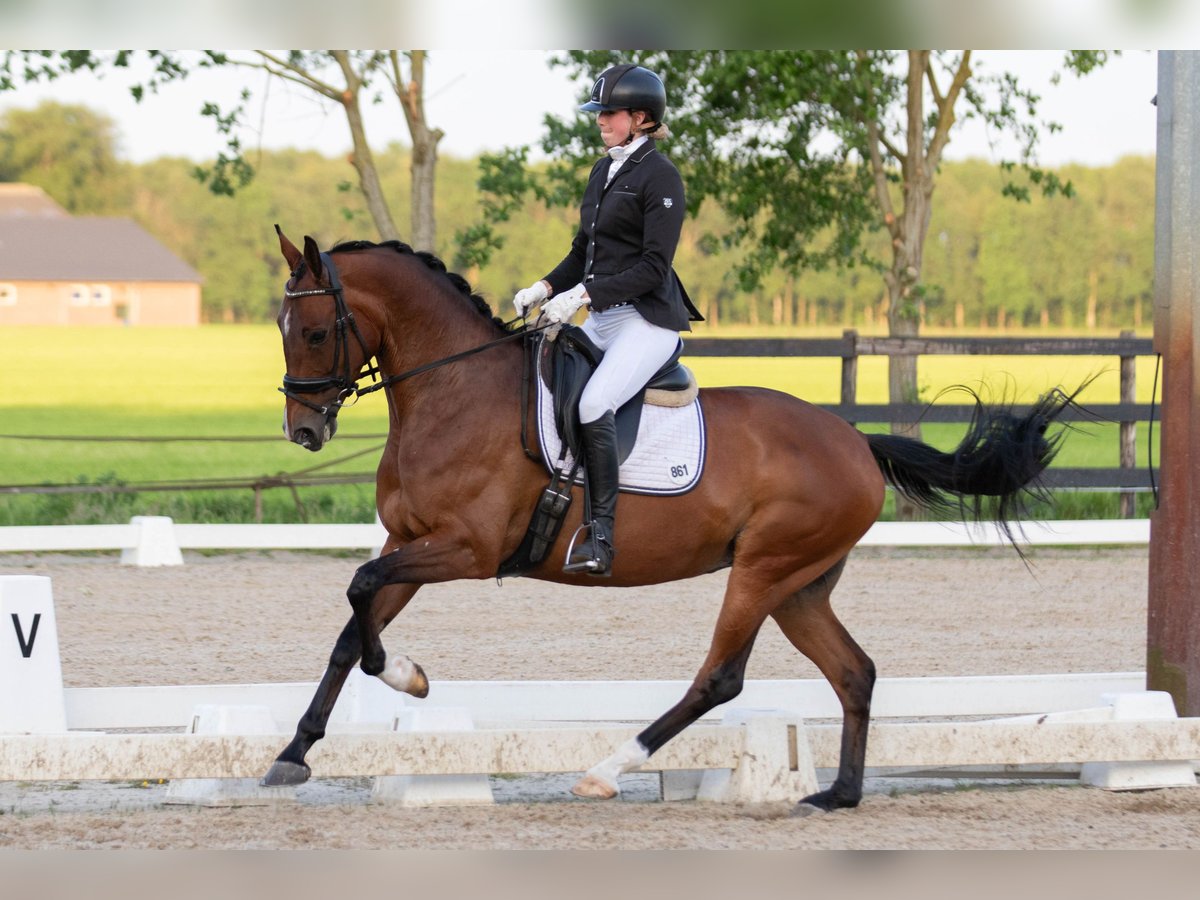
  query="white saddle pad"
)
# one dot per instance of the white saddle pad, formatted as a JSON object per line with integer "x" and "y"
{"x": 667, "y": 458}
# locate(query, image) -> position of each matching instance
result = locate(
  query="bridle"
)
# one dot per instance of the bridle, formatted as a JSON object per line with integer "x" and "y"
{"x": 344, "y": 325}
{"x": 339, "y": 376}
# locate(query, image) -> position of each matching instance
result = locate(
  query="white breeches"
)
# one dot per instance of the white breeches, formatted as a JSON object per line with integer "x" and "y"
{"x": 634, "y": 350}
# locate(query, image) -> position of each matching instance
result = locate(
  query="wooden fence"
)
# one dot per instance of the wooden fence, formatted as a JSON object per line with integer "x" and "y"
{"x": 851, "y": 346}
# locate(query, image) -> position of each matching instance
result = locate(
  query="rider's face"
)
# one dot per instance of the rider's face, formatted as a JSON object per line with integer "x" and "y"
{"x": 617, "y": 125}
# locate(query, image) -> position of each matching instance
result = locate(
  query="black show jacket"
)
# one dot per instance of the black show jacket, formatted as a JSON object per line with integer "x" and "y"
{"x": 626, "y": 241}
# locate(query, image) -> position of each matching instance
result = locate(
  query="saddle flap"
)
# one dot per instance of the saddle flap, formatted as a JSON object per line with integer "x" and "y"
{"x": 567, "y": 363}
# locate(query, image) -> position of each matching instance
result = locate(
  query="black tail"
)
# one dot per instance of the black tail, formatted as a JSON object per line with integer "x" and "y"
{"x": 994, "y": 471}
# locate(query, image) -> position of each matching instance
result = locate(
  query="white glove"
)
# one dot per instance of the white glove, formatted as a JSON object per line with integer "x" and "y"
{"x": 530, "y": 297}
{"x": 564, "y": 305}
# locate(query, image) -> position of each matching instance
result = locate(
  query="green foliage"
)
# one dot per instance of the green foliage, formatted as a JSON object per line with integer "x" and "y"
{"x": 69, "y": 151}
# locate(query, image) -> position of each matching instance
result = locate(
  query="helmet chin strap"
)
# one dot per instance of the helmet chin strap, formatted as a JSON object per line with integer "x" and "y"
{"x": 632, "y": 136}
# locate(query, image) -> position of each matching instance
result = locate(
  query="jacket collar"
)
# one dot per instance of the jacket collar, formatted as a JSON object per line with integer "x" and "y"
{"x": 639, "y": 154}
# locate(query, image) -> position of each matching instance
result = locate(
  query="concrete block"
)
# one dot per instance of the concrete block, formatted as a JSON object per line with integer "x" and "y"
{"x": 1139, "y": 776}
{"x": 775, "y": 764}
{"x": 156, "y": 543}
{"x": 682, "y": 784}
{"x": 433, "y": 790}
{"x": 31, "y": 690}
{"x": 212, "y": 719}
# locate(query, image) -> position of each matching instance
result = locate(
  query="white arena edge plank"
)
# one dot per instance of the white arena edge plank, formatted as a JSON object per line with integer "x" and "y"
{"x": 1059, "y": 532}
{"x": 606, "y": 701}
{"x": 935, "y": 745}
{"x": 49, "y": 538}
{"x": 87, "y": 757}
{"x": 280, "y": 537}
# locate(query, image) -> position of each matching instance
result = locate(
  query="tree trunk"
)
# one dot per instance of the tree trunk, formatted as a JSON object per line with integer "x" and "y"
{"x": 361, "y": 158}
{"x": 424, "y": 148}
{"x": 424, "y": 166}
{"x": 368, "y": 176}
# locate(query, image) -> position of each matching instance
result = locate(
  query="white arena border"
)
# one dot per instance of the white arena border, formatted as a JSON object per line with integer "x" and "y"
{"x": 158, "y": 541}
{"x": 545, "y": 727}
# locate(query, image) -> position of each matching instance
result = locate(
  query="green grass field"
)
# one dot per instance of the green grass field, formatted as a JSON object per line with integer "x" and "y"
{"x": 220, "y": 381}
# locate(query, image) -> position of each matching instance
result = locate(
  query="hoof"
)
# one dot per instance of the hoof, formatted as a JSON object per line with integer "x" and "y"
{"x": 283, "y": 773}
{"x": 594, "y": 788}
{"x": 402, "y": 674}
{"x": 825, "y": 801}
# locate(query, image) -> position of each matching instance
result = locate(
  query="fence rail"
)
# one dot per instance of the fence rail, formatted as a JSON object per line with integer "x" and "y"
{"x": 851, "y": 346}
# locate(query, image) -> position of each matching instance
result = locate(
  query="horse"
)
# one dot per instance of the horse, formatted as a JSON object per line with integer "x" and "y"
{"x": 788, "y": 490}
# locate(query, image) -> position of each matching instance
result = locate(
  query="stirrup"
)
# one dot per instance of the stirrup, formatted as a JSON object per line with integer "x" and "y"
{"x": 590, "y": 566}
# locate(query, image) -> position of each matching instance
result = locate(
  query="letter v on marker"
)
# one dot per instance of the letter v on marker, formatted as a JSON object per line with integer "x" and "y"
{"x": 26, "y": 646}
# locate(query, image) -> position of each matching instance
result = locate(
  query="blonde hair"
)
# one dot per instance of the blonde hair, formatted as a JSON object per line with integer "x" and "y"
{"x": 660, "y": 133}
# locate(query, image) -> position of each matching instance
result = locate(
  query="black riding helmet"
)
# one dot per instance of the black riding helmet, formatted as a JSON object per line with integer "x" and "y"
{"x": 628, "y": 87}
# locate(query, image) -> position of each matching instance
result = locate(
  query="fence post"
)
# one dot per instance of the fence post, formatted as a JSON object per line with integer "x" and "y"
{"x": 1128, "y": 429}
{"x": 850, "y": 368}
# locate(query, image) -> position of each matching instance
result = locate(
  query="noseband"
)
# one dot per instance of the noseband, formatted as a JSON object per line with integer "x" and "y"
{"x": 339, "y": 376}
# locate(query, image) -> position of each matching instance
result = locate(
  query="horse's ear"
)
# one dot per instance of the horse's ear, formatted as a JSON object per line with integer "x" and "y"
{"x": 312, "y": 256}
{"x": 290, "y": 253}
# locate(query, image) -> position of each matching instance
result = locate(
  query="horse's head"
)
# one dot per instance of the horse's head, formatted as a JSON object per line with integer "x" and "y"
{"x": 323, "y": 347}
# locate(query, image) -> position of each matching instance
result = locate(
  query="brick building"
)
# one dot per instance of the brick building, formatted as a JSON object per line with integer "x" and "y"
{"x": 59, "y": 269}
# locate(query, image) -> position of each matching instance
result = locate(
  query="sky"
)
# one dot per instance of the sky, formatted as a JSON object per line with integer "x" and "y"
{"x": 486, "y": 100}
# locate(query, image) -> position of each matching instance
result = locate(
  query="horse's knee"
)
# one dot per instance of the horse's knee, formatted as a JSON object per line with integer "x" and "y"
{"x": 723, "y": 684}
{"x": 364, "y": 586}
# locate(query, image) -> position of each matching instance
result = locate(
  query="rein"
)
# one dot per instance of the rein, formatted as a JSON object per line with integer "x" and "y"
{"x": 389, "y": 380}
{"x": 344, "y": 324}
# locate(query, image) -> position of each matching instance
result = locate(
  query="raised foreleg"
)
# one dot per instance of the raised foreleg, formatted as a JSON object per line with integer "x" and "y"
{"x": 439, "y": 556}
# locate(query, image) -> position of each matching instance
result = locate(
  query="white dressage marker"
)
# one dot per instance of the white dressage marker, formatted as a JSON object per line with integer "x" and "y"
{"x": 31, "y": 690}
{"x": 156, "y": 543}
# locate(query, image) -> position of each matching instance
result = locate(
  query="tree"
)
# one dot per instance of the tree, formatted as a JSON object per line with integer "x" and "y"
{"x": 68, "y": 151}
{"x": 807, "y": 152}
{"x": 342, "y": 77}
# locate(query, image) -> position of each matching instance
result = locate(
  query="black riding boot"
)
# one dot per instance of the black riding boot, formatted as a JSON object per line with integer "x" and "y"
{"x": 594, "y": 555}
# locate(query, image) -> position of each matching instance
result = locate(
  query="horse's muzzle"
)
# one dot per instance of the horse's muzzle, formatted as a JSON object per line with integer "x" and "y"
{"x": 309, "y": 439}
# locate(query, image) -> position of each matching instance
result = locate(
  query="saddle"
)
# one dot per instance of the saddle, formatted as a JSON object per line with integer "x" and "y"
{"x": 568, "y": 362}
{"x": 565, "y": 364}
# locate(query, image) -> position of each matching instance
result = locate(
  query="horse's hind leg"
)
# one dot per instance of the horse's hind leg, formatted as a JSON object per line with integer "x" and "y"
{"x": 290, "y": 767}
{"x": 718, "y": 681}
{"x": 807, "y": 620}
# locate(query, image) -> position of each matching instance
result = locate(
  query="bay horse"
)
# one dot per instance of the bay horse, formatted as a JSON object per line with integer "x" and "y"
{"x": 788, "y": 490}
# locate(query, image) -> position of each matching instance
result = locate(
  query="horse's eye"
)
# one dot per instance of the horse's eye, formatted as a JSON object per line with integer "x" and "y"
{"x": 317, "y": 337}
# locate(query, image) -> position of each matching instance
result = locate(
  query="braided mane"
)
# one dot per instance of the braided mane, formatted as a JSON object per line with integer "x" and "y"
{"x": 432, "y": 262}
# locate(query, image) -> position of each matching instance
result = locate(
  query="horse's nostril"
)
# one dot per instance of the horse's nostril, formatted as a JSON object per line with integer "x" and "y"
{"x": 305, "y": 437}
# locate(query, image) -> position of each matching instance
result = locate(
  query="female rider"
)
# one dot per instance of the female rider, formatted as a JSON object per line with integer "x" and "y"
{"x": 619, "y": 266}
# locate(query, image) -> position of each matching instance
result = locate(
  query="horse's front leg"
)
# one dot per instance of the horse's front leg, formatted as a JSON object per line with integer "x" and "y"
{"x": 431, "y": 558}
{"x": 289, "y": 767}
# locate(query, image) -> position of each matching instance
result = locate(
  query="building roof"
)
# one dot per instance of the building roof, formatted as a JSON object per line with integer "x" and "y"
{"x": 51, "y": 248}
{"x": 27, "y": 200}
